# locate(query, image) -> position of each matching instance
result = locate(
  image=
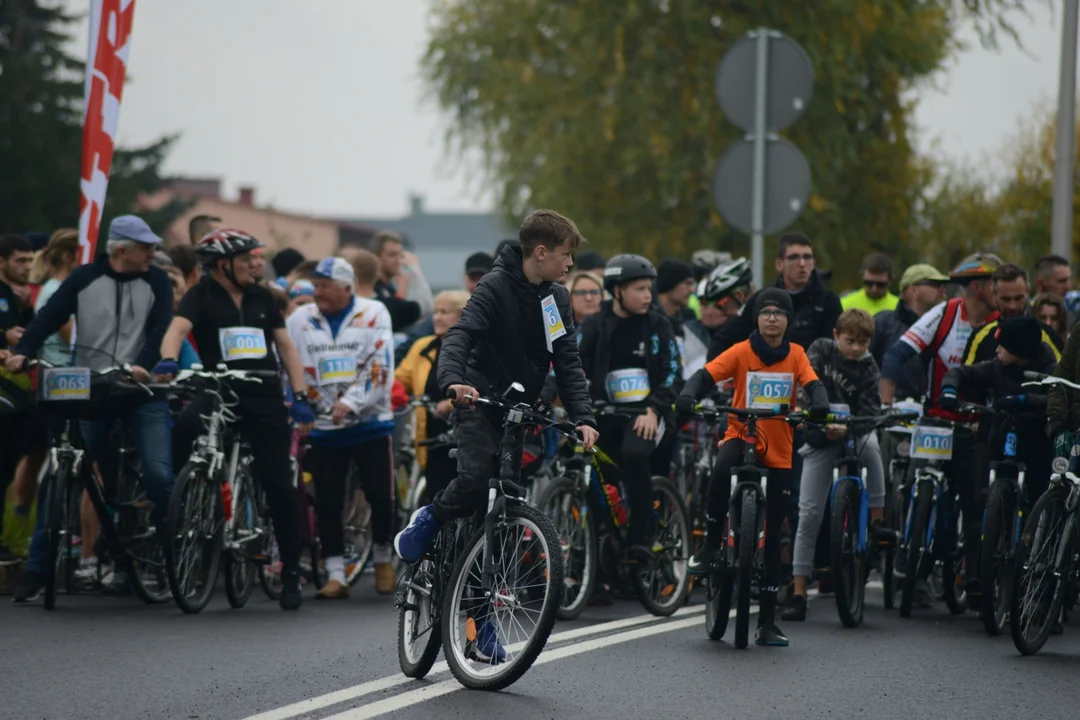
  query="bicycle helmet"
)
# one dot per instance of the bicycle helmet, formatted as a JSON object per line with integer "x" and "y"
{"x": 622, "y": 269}
{"x": 225, "y": 243}
{"x": 705, "y": 261}
{"x": 977, "y": 266}
{"x": 725, "y": 279}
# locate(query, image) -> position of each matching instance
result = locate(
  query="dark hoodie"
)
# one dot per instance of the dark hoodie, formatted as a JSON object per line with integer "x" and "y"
{"x": 855, "y": 383}
{"x": 501, "y": 338}
{"x": 816, "y": 311}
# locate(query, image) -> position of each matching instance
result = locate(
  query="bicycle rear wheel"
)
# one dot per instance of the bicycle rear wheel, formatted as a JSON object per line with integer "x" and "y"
{"x": 847, "y": 561}
{"x": 954, "y": 571}
{"x": 746, "y": 543}
{"x": 356, "y": 524}
{"x": 662, "y": 587}
{"x": 270, "y": 568}
{"x": 196, "y": 524}
{"x": 244, "y": 535}
{"x": 916, "y": 550}
{"x": 55, "y": 528}
{"x": 995, "y": 556}
{"x": 1036, "y": 593}
{"x": 569, "y": 513}
{"x": 419, "y": 624}
{"x": 524, "y": 594}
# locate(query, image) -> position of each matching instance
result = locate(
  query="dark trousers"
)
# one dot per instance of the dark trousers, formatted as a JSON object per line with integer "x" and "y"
{"x": 264, "y": 423}
{"x": 438, "y": 472}
{"x": 478, "y": 439}
{"x": 779, "y": 491}
{"x": 329, "y": 466}
{"x": 632, "y": 454}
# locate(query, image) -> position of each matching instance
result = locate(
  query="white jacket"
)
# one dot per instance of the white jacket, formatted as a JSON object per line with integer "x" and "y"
{"x": 356, "y": 368}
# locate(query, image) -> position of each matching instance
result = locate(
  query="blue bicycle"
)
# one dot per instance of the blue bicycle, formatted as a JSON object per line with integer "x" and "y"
{"x": 851, "y": 548}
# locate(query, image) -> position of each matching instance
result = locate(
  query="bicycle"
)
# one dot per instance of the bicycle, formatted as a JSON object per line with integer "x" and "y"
{"x": 741, "y": 560}
{"x": 1048, "y": 577}
{"x": 694, "y": 462}
{"x": 850, "y": 548}
{"x": 129, "y": 537}
{"x": 589, "y": 512}
{"x": 930, "y": 515}
{"x": 215, "y": 503}
{"x": 485, "y": 574}
{"x": 898, "y": 438}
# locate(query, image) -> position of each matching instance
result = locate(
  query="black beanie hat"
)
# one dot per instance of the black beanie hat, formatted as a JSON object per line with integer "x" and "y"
{"x": 670, "y": 273}
{"x": 775, "y": 298}
{"x": 589, "y": 261}
{"x": 286, "y": 260}
{"x": 1021, "y": 336}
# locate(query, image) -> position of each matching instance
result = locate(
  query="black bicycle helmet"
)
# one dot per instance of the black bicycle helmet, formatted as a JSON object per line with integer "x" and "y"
{"x": 225, "y": 243}
{"x": 724, "y": 280}
{"x": 622, "y": 269}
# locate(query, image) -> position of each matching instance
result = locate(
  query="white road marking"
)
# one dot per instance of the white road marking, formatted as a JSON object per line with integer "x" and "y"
{"x": 311, "y": 705}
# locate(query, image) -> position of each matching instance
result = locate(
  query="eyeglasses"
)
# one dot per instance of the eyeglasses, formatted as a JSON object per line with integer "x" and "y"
{"x": 875, "y": 284}
{"x": 587, "y": 293}
{"x": 772, "y": 314}
{"x": 805, "y": 257}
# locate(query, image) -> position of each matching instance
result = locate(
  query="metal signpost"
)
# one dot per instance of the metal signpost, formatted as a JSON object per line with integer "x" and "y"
{"x": 763, "y": 84}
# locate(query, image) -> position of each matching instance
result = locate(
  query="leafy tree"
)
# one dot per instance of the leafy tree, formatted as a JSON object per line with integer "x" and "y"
{"x": 41, "y": 101}
{"x": 606, "y": 111}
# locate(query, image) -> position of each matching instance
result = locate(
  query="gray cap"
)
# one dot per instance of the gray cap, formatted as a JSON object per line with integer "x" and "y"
{"x": 132, "y": 227}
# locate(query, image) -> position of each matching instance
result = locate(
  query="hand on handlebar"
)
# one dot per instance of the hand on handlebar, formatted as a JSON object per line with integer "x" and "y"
{"x": 589, "y": 436}
{"x": 16, "y": 363}
{"x": 949, "y": 400}
{"x": 818, "y": 412}
{"x": 140, "y": 374}
{"x": 684, "y": 409}
{"x": 835, "y": 432}
{"x": 463, "y": 395}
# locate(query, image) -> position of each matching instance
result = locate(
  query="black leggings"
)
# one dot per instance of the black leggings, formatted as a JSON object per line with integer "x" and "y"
{"x": 329, "y": 466}
{"x": 778, "y": 495}
{"x": 264, "y": 422}
{"x": 632, "y": 454}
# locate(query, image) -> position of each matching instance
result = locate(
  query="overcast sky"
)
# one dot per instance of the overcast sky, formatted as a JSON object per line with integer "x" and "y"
{"x": 319, "y": 104}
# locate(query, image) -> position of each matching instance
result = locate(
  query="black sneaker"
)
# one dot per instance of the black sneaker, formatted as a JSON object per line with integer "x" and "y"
{"x": 30, "y": 588}
{"x": 770, "y": 636}
{"x": 700, "y": 562}
{"x": 881, "y": 535}
{"x": 8, "y": 558}
{"x": 291, "y": 596}
{"x": 796, "y": 609}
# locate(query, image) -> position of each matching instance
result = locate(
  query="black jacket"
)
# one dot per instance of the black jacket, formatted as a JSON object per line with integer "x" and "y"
{"x": 993, "y": 380}
{"x": 501, "y": 338}
{"x": 982, "y": 345}
{"x": 816, "y": 311}
{"x": 855, "y": 383}
{"x": 889, "y": 327}
{"x": 661, "y": 353}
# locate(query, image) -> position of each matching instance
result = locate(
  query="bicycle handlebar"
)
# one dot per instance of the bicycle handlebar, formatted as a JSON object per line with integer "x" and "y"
{"x": 125, "y": 370}
{"x": 1043, "y": 379}
{"x": 870, "y": 420}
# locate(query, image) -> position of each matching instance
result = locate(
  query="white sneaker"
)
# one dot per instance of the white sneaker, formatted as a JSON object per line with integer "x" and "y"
{"x": 115, "y": 582}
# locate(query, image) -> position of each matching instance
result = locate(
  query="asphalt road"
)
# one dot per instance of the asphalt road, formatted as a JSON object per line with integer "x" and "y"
{"x": 102, "y": 657}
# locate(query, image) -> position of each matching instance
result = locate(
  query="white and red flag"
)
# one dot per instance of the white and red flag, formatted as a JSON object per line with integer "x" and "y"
{"x": 106, "y": 66}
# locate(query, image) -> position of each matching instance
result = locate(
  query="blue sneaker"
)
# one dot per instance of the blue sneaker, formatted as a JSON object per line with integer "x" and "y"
{"x": 418, "y": 536}
{"x": 487, "y": 647}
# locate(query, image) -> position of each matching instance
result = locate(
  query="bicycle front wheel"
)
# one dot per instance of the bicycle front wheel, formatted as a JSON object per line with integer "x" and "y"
{"x": 244, "y": 536}
{"x": 526, "y": 589}
{"x": 56, "y": 530}
{"x": 916, "y": 549}
{"x": 746, "y": 544}
{"x": 848, "y": 561}
{"x": 663, "y": 585}
{"x": 995, "y": 556}
{"x": 193, "y": 546}
{"x": 1036, "y": 593}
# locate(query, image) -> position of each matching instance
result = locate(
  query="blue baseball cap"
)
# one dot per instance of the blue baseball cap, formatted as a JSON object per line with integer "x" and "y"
{"x": 132, "y": 227}
{"x": 335, "y": 268}
{"x": 301, "y": 288}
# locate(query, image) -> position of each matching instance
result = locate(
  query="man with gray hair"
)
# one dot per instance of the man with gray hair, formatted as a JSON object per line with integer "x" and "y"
{"x": 346, "y": 345}
{"x": 122, "y": 306}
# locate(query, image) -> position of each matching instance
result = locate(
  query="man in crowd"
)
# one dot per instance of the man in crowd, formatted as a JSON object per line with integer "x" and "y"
{"x": 1052, "y": 275}
{"x": 922, "y": 287}
{"x": 187, "y": 262}
{"x": 590, "y": 261}
{"x": 674, "y": 286}
{"x": 815, "y": 308}
{"x": 200, "y": 225}
{"x": 285, "y": 262}
{"x": 399, "y": 275}
{"x": 16, "y": 255}
{"x": 1011, "y": 294}
{"x": 874, "y": 297}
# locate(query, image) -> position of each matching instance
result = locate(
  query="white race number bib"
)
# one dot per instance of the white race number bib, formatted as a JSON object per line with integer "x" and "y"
{"x": 242, "y": 343}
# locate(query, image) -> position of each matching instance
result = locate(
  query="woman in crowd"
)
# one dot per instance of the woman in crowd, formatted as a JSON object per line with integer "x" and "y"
{"x": 416, "y": 373}
{"x": 1049, "y": 309}
{"x": 586, "y": 293}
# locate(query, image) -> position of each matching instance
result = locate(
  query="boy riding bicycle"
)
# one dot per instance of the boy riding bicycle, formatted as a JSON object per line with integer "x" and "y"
{"x": 767, "y": 370}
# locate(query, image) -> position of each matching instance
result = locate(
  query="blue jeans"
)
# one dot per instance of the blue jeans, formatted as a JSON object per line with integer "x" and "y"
{"x": 151, "y": 427}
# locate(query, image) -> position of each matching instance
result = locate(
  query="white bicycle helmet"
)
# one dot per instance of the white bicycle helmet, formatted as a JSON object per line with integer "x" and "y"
{"x": 724, "y": 280}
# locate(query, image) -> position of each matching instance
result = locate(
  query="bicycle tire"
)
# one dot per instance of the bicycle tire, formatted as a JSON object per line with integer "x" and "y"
{"x": 573, "y": 603}
{"x": 270, "y": 572}
{"x": 895, "y": 517}
{"x": 917, "y": 547}
{"x": 356, "y": 524}
{"x": 543, "y": 531}
{"x": 995, "y": 556}
{"x": 55, "y": 507}
{"x": 1049, "y": 535}
{"x": 193, "y": 480}
{"x": 673, "y": 535}
{"x": 73, "y": 524}
{"x": 953, "y": 581}
{"x": 239, "y": 571}
{"x": 847, "y": 563}
{"x": 746, "y": 544}
{"x": 419, "y": 666}
{"x": 719, "y": 592}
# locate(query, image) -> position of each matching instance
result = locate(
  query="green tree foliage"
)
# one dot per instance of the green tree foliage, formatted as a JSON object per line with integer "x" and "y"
{"x": 606, "y": 111}
{"x": 41, "y": 100}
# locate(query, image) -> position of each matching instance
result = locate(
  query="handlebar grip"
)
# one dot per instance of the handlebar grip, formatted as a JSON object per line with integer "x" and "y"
{"x": 1032, "y": 375}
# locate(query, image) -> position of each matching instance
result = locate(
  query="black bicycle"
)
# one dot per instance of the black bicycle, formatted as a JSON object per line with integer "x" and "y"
{"x": 495, "y": 576}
